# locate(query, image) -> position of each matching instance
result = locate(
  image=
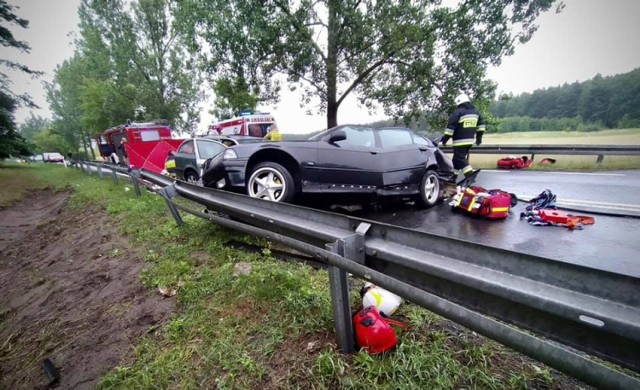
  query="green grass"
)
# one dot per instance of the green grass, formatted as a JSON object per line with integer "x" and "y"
{"x": 18, "y": 180}
{"x": 272, "y": 328}
{"x": 602, "y": 137}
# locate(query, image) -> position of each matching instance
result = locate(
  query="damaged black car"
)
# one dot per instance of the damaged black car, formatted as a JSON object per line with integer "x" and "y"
{"x": 344, "y": 163}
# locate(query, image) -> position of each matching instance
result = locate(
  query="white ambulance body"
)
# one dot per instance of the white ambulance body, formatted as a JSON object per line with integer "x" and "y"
{"x": 253, "y": 125}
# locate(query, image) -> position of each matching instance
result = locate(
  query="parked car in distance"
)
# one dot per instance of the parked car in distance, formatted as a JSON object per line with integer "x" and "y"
{"x": 53, "y": 157}
{"x": 346, "y": 161}
{"x": 192, "y": 153}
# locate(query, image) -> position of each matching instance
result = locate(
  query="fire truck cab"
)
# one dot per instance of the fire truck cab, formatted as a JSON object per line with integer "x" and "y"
{"x": 147, "y": 144}
{"x": 253, "y": 124}
{"x": 133, "y": 133}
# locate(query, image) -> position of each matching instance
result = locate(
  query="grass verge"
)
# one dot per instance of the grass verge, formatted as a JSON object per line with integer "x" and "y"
{"x": 272, "y": 327}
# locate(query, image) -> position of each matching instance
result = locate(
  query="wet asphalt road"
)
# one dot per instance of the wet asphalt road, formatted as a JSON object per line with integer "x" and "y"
{"x": 612, "y": 244}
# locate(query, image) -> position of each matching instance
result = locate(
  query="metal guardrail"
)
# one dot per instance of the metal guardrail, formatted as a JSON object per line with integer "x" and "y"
{"x": 611, "y": 150}
{"x": 585, "y": 150}
{"x": 594, "y": 311}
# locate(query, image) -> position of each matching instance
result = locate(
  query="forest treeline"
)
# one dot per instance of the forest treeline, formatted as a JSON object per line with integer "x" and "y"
{"x": 595, "y": 104}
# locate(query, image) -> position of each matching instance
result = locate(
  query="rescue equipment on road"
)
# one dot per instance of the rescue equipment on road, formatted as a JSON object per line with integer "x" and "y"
{"x": 385, "y": 301}
{"x": 373, "y": 333}
{"x": 492, "y": 204}
{"x": 542, "y": 211}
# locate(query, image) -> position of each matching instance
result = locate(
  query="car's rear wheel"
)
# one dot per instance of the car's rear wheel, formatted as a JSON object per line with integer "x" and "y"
{"x": 430, "y": 189}
{"x": 191, "y": 177}
{"x": 271, "y": 181}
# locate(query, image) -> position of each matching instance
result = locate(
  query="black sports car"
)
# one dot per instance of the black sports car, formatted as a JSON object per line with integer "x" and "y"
{"x": 342, "y": 161}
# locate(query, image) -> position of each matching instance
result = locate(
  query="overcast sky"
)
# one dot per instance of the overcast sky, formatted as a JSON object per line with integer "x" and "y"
{"x": 587, "y": 38}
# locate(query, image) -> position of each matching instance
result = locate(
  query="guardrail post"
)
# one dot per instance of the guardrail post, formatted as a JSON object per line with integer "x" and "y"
{"x": 114, "y": 173}
{"x": 168, "y": 193}
{"x": 599, "y": 160}
{"x": 135, "y": 176}
{"x": 99, "y": 171}
{"x": 352, "y": 248}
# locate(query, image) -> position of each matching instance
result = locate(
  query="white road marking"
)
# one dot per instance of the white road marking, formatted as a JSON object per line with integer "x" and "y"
{"x": 554, "y": 172}
{"x": 591, "y": 203}
{"x": 496, "y": 170}
{"x": 585, "y": 173}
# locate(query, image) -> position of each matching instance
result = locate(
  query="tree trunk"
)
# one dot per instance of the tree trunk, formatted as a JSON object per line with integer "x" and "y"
{"x": 93, "y": 152}
{"x": 84, "y": 146}
{"x": 332, "y": 64}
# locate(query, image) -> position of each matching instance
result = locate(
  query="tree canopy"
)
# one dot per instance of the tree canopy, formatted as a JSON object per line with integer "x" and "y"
{"x": 129, "y": 63}
{"x": 609, "y": 102}
{"x": 407, "y": 56}
{"x": 11, "y": 142}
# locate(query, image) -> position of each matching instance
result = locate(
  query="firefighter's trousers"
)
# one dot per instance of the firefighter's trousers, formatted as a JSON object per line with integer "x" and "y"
{"x": 460, "y": 159}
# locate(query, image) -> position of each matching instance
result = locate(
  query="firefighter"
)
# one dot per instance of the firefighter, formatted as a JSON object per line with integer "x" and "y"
{"x": 122, "y": 152}
{"x": 273, "y": 134}
{"x": 170, "y": 164}
{"x": 465, "y": 127}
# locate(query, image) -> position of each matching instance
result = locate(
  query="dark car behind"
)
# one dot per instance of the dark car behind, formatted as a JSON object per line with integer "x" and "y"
{"x": 191, "y": 155}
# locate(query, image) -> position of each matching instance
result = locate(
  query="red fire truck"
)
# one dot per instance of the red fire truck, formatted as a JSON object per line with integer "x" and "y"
{"x": 253, "y": 124}
{"x": 147, "y": 144}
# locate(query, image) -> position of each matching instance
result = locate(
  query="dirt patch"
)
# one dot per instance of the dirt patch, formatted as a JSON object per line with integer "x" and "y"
{"x": 295, "y": 353}
{"x": 71, "y": 293}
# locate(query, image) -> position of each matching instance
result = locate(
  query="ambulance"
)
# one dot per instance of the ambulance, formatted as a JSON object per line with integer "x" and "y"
{"x": 248, "y": 123}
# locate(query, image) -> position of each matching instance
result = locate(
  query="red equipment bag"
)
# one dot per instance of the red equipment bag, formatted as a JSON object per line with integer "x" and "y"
{"x": 514, "y": 162}
{"x": 374, "y": 333}
{"x": 492, "y": 204}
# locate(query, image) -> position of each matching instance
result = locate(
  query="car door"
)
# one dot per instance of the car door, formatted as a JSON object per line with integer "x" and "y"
{"x": 186, "y": 154}
{"x": 403, "y": 159}
{"x": 354, "y": 160}
{"x": 206, "y": 149}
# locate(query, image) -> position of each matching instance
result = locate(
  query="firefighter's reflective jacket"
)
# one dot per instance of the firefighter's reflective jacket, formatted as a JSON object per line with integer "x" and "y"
{"x": 465, "y": 126}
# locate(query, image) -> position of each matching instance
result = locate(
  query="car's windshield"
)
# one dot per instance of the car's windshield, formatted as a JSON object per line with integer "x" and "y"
{"x": 208, "y": 149}
{"x": 362, "y": 130}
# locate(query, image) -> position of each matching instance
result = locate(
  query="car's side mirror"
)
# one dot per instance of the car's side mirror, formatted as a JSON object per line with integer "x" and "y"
{"x": 337, "y": 136}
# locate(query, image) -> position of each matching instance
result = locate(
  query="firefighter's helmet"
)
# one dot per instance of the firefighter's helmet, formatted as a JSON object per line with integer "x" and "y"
{"x": 462, "y": 98}
{"x": 385, "y": 301}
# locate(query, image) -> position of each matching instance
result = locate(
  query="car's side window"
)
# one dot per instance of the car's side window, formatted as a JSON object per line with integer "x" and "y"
{"x": 208, "y": 149}
{"x": 186, "y": 147}
{"x": 391, "y": 138}
{"x": 363, "y": 137}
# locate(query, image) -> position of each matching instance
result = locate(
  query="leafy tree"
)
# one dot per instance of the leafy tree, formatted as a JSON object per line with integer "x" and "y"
{"x": 408, "y": 56}
{"x": 50, "y": 141}
{"x": 65, "y": 96}
{"x": 148, "y": 64}
{"x": 11, "y": 142}
{"x": 33, "y": 125}
{"x": 612, "y": 101}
